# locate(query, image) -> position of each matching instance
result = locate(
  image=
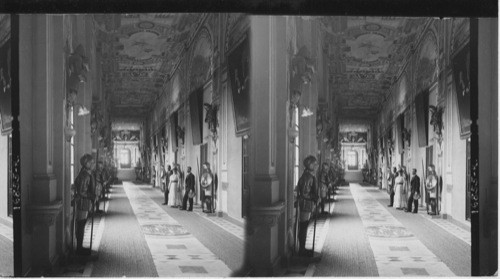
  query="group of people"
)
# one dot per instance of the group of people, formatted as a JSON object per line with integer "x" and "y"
{"x": 313, "y": 189}
{"x": 403, "y": 192}
{"x": 90, "y": 189}
{"x": 173, "y": 183}
{"x": 404, "y": 195}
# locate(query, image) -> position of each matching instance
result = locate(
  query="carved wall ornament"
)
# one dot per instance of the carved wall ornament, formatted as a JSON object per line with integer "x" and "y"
{"x": 437, "y": 121}
{"x": 302, "y": 66}
{"x": 390, "y": 145}
{"x": 211, "y": 118}
{"x": 474, "y": 188}
{"x": 407, "y": 136}
{"x": 16, "y": 182}
{"x": 180, "y": 133}
{"x": 78, "y": 67}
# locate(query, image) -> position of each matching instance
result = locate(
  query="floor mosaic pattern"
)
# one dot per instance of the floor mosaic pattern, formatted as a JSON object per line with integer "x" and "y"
{"x": 397, "y": 251}
{"x": 176, "y": 252}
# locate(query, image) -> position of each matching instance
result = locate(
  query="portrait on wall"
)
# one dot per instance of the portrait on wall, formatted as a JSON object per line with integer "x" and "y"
{"x": 461, "y": 77}
{"x": 5, "y": 92}
{"x": 239, "y": 72}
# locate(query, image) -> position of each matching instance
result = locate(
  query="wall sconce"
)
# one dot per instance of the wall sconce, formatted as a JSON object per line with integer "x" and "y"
{"x": 306, "y": 112}
{"x": 82, "y": 110}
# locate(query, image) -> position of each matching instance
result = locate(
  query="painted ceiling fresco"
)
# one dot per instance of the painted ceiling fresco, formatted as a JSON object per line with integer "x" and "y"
{"x": 366, "y": 56}
{"x": 139, "y": 53}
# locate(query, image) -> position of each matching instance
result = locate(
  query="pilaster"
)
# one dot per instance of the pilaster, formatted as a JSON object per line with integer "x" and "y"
{"x": 266, "y": 205}
{"x": 45, "y": 205}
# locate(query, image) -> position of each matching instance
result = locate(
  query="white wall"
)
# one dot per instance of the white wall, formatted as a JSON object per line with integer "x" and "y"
{"x": 234, "y": 163}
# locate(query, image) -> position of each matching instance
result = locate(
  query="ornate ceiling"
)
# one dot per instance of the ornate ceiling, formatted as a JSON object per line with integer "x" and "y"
{"x": 366, "y": 56}
{"x": 139, "y": 53}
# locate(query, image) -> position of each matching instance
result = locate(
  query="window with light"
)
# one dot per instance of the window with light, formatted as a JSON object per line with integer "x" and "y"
{"x": 125, "y": 158}
{"x": 352, "y": 160}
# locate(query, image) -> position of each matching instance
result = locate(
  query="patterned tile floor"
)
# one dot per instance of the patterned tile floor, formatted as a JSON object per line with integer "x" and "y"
{"x": 85, "y": 270}
{"x": 236, "y": 230}
{"x": 322, "y": 227}
{"x": 448, "y": 226}
{"x": 445, "y": 224}
{"x": 175, "y": 251}
{"x": 397, "y": 251}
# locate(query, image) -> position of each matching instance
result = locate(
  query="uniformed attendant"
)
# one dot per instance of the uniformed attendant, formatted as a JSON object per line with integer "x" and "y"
{"x": 307, "y": 197}
{"x": 153, "y": 176}
{"x": 84, "y": 197}
{"x": 190, "y": 191}
{"x": 100, "y": 190}
{"x": 431, "y": 183}
{"x": 324, "y": 184}
{"x": 206, "y": 181}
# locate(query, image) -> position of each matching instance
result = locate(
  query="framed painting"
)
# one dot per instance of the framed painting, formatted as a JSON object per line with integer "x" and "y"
{"x": 239, "y": 75}
{"x": 461, "y": 77}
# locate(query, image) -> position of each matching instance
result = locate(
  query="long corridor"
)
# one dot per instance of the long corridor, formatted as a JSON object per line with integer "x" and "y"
{"x": 367, "y": 238}
{"x": 139, "y": 237}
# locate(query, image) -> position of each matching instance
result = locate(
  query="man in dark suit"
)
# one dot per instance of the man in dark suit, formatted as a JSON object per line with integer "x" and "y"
{"x": 390, "y": 185}
{"x": 415, "y": 188}
{"x": 189, "y": 193}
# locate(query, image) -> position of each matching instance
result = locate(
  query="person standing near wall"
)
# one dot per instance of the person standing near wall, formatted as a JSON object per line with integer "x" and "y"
{"x": 398, "y": 189}
{"x": 431, "y": 183}
{"x": 405, "y": 190}
{"x": 100, "y": 189}
{"x": 390, "y": 185}
{"x": 206, "y": 181}
{"x": 415, "y": 192}
{"x": 307, "y": 197}
{"x": 180, "y": 186}
{"x": 324, "y": 183}
{"x": 167, "y": 174}
{"x": 84, "y": 198}
{"x": 190, "y": 191}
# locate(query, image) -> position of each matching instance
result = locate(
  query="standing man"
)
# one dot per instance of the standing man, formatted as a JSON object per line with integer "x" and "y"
{"x": 414, "y": 192}
{"x": 307, "y": 196}
{"x": 390, "y": 185}
{"x": 167, "y": 174}
{"x": 190, "y": 192}
{"x": 84, "y": 197}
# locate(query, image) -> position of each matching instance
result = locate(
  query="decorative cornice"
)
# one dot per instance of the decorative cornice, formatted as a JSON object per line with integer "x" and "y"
{"x": 266, "y": 216}
{"x": 44, "y": 214}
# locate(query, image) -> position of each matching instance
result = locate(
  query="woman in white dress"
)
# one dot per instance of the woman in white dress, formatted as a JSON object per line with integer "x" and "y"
{"x": 398, "y": 189}
{"x": 173, "y": 188}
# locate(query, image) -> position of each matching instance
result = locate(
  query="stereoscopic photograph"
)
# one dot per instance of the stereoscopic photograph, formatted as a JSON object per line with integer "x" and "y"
{"x": 247, "y": 145}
